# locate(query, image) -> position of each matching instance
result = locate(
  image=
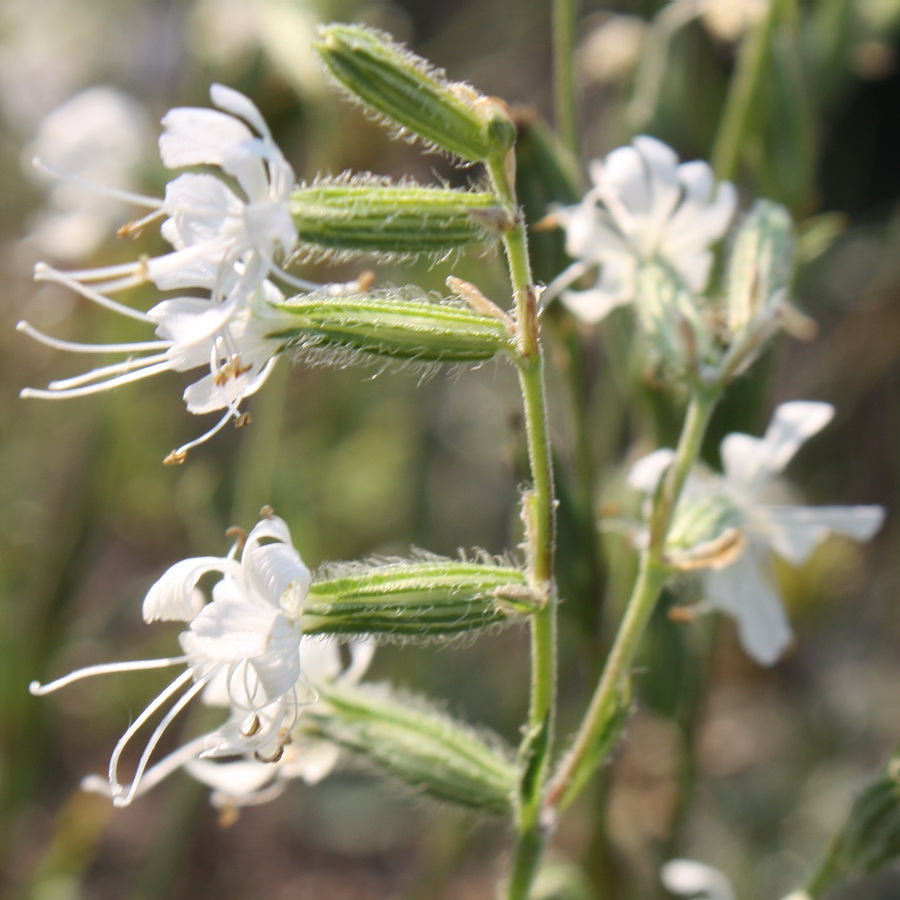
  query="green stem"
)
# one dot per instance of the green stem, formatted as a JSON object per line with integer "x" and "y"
{"x": 829, "y": 870}
{"x": 529, "y": 850}
{"x": 538, "y": 512}
{"x": 653, "y": 572}
{"x": 737, "y": 117}
{"x": 565, "y": 105}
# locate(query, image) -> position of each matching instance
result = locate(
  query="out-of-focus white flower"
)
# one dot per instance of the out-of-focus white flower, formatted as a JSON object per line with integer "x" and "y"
{"x": 611, "y": 49}
{"x": 644, "y": 207}
{"x": 242, "y": 649}
{"x": 696, "y": 880}
{"x": 98, "y": 136}
{"x": 729, "y": 19}
{"x": 738, "y": 577}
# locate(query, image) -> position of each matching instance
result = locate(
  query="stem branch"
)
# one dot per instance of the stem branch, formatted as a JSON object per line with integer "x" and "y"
{"x": 653, "y": 571}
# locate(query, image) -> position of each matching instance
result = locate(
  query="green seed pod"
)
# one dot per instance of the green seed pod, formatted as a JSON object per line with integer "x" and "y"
{"x": 407, "y": 91}
{"x": 417, "y": 598}
{"x": 351, "y": 215}
{"x": 418, "y": 744}
{"x": 402, "y": 325}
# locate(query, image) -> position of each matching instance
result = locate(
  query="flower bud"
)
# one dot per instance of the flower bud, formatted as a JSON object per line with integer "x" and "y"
{"x": 760, "y": 263}
{"x": 675, "y": 327}
{"x": 425, "y": 598}
{"x": 401, "y": 325}
{"x": 405, "y": 89}
{"x": 418, "y": 744}
{"x": 346, "y": 216}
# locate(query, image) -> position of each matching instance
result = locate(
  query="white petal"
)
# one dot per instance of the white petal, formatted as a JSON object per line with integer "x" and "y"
{"x": 315, "y": 761}
{"x": 195, "y": 137}
{"x": 201, "y": 209}
{"x": 701, "y": 218}
{"x": 693, "y": 879}
{"x": 210, "y": 393}
{"x": 750, "y": 461}
{"x": 230, "y": 629}
{"x": 278, "y": 574}
{"x": 238, "y": 104}
{"x": 646, "y": 472}
{"x": 321, "y": 659}
{"x": 745, "y": 591}
{"x": 188, "y": 321}
{"x": 173, "y": 597}
{"x": 237, "y": 780}
{"x": 593, "y": 304}
{"x": 361, "y": 653}
{"x": 795, "y": 531}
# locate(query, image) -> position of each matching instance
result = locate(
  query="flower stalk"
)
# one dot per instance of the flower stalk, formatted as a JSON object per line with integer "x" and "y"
{"x": 653, "y": 572}
{"x": 538, "y": 515}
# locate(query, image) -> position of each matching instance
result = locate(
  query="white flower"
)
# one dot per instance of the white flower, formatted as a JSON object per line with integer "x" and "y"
{"x": 246, "y": 782}
{"x": 643, "y": 207}
{"x": 226, "y": 232}
{"x": 242, "y": 650}
{"x": 99, "y": 134}
{"x": 193, "y": 332}
{"x": 693, "y": 879}
{"x": 737, "y": 502}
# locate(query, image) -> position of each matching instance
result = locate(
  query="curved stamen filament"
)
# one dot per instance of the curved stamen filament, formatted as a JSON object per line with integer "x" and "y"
{"x": 43, "y": 272}
{"x": 56, "y": 389}
{"x": 116, "y": 787}
{"x": 96, "y": 784}
{"x": 137, "y": 665}
{"x": 114, "y": 369}
{"x": 77, "y": 347}
{"x": 126, "y": 196}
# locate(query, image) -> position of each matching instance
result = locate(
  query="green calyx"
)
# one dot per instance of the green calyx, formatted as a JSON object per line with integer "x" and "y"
{"x": 418, "y": 744}
{"x": 404, "y": 89}
{"x": 346, "y": 216}
{"x": 418, "y": 598}
{"x": 401, "y": 325}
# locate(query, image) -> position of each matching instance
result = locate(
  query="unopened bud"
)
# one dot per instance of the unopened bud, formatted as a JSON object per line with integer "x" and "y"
{"x": 407, "y": 91}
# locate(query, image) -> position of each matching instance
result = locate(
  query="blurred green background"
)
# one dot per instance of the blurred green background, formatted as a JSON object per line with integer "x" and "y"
{"x": 361, "y": 465}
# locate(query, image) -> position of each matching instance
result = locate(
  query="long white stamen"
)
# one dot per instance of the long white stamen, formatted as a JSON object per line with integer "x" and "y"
{"x": 183, "y": 679}
{"x": 75, "y": 347}
{"x": 182, "y": 451}
{"x": 106, "y": 372}
{"x": 137, "y": 665}
{"x": 43, "y": 272}
{"x": 296, "y": 282}
{"x": 95, "y": 784}
{"x": 127, "y": 196}
{"x": 168, "y": 718}
{"x": 55, "y": 393}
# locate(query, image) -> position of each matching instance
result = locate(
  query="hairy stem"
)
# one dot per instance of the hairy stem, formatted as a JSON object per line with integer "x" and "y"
{"x": 538, "y": 513}
{"x": 580, "y": 762}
